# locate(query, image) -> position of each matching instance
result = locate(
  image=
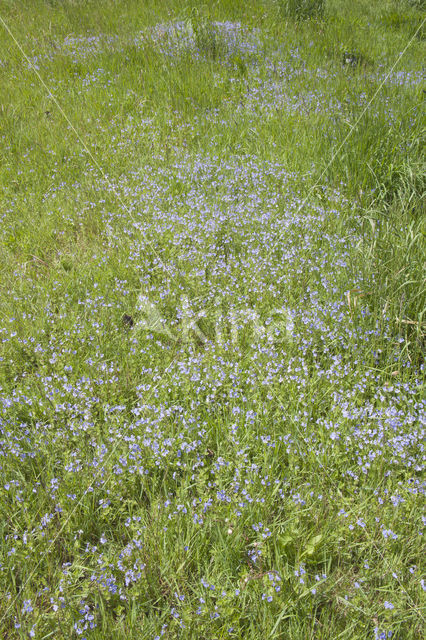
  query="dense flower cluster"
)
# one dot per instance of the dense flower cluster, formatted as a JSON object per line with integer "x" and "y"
{"x": 247, "y": 401}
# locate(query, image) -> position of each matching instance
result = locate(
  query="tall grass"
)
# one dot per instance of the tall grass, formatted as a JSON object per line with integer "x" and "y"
{"x": 211, "y": 320}
{"x": 302, "y": 9}
{"x": 397, "y": 223}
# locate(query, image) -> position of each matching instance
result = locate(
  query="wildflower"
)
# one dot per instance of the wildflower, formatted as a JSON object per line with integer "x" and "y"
{"x": 27, "y": 607}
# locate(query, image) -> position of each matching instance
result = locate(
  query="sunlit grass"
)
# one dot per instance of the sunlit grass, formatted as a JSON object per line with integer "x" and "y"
{"x": 211, "y": 320}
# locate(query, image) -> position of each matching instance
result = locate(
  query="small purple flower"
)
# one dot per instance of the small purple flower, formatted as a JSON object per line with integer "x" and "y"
{"x": 388, "y": 533}
{"x": 27, "y": 607}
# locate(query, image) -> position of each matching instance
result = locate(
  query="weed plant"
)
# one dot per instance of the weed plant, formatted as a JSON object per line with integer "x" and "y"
{"x": 211, "y": 320}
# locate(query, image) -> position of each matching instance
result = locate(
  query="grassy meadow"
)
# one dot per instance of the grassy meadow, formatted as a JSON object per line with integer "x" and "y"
{"x": 212, "y": 293}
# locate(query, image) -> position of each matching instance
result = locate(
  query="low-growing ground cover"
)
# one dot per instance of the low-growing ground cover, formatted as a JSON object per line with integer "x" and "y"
{"x": 211, "y": 320}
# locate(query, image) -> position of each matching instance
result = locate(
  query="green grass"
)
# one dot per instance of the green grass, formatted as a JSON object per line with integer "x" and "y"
{"x": 212, "y": 320}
